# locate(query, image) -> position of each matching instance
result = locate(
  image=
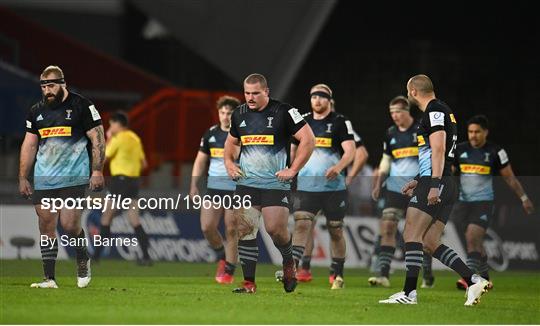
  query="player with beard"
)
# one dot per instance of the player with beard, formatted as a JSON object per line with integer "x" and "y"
{"x": 58, "y": 130}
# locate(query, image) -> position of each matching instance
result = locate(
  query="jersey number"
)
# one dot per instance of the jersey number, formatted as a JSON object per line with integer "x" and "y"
{"x": 451, "y": 152}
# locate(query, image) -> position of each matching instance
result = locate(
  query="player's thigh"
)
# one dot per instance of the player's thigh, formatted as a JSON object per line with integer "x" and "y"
{"x": 309, "y": 202}
{"x": 481, "y": 214}
{"x": 275, "y": 218}
{"x": 335, "y": 205}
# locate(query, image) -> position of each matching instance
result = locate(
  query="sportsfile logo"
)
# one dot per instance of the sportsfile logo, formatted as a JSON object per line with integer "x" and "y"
{"x": 257, "y": 140}
{"x": 216, "y": 152}
{"x": 60, "y": 131}
{"x": 474, "y": 169}
{"x": 405, "y": 152}
{"x": 323, "y": 142}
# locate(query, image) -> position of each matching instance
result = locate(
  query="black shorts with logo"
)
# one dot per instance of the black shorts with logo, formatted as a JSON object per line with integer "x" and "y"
{"x": 73, "y": 192}
{"x": 128, "y": 187}
{"x": 265, "y": 197}
{"x": 222, "y": 194}
{"x": 332, "y": 203}
{"x": 448, "y": 194}
{"x": 476, "y": 212}
{"x": 396, "y": 200}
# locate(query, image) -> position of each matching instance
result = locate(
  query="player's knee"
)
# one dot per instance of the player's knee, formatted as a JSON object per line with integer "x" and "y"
{"x": 247, "y": 221}
{"x": 71, "y": 227}
{"x": 392, "y": 214}
{"x": 231, "y": 232}
{"x": 207, "y": 228}
{"x": 335, "y": 228}
{"x": 302, "y": 225}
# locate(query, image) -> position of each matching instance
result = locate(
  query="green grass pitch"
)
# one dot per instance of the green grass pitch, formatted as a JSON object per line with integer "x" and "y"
{"x": 180, "y": 293}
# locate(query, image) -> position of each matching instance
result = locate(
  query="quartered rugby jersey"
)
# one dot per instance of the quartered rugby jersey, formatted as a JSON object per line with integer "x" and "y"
{"x": 63, "y": 158}
{"x": 437, "y": 116}
{"x": 402, "y": 146}
{"x": 213, "y": 143}
{"x": 329, "y": 133}
{"x": 265, "y": 138}
{"x": 476, "y": 167}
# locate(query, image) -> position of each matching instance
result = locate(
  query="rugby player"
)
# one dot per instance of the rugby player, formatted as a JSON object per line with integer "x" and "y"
{"x": 477, "y": 161}
{"x": 58, "y": 130}
{"x": 398, "y": 165}
{"x": 322, "y": 183}
{"x": 433, "y": 194}
{"x": 263, "y": 128}
{"x": 125, "y": 153}
{"x": 219, "y": 185}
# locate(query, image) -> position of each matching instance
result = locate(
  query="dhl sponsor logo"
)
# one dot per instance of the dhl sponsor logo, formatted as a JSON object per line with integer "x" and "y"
{"x": 475, "y": 169}
{"x": 60, "y": 131}
{"x": 257, "y": 140}
{"x": 216, "y": 152}
{"x": 421, "y": 141}
{"x": 405, "y": 152}
{"x": 323, "y": 142}
{"x": 452, "y": 118}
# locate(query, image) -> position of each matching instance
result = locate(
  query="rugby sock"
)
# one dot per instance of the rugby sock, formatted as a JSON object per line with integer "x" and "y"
{"x": 220, "y": 253}
{"x": 338, "y": 263}
{"x": 297, "y": 252}
{"x": 286, "y": 250}
{"x": 377, "y": 246}
{"x": 81, "y": 251}
{"x": 473, "y": 260}
{"x": 332, "y": 269}
{"x": 49, "y": 252}
{"x": 248, "y": 251}
{"x": 384, "y": 259}
{"x": 451, "y": 259}
{"x": 229, "y": 268}
{"x": 143, "y": 240}
{"x": 483, "y": 268}
{"x": 414, "y": 257}
{"x": 306, "y": 262}
{"x": 105, "y": 233}
{"x": 426, "y": 265}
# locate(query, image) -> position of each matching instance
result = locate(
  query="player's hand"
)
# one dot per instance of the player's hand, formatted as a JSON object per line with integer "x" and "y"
{"x": 349, "y": 179}
{"x": 375, "y": 193}
{"x": 528, "y": 206}
{"x": 234, "y": 171}
{"x": 25, "y": 189}
{"x": 286, "y": 174}
{"x": 97, "y": 181}
{"x": 193, "y": 191}
{"x": 433, "y": 196}
{"x": 409, "y": 187}
{"x": 332, "y": 172}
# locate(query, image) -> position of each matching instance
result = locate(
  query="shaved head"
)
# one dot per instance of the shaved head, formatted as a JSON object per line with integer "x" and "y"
{"x": 422, "y": 84}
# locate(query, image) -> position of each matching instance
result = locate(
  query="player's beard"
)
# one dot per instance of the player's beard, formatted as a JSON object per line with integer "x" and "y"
{"x": 54, "y": 100}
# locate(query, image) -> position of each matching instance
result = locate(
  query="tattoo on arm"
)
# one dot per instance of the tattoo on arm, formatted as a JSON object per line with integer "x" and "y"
{"x": 98, "y": 147}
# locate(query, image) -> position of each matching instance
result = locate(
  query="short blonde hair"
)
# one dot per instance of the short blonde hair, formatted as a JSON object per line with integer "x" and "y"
{"x": 323, "y": 86}
{"x": 53, "y": 70}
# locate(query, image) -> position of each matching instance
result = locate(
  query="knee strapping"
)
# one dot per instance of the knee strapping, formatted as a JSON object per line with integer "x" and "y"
{"x": 334, "y": 224}
{"x": 392, "y": 214}
{"x": 249, "y": 221}
{"x": 303, "y": 216}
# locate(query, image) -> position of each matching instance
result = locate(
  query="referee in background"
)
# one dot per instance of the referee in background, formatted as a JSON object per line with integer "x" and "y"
{"x": 125, "y": 153}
